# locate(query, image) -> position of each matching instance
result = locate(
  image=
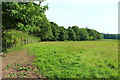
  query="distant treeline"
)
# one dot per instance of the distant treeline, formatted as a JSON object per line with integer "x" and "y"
{"x": 111, "y": 36}
{"x": 30, "y": 18}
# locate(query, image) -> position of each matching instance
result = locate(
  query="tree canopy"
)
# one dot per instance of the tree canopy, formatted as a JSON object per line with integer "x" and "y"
{"x": 30, "y": 18}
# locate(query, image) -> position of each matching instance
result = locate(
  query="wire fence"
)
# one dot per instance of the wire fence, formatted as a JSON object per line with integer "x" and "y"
{"x": 7, "y": 45}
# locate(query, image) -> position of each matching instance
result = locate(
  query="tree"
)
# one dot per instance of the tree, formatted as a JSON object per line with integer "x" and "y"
{"x": 55, "y": 30}
{"x": 71, "y": 34}
{"x": 30, "y": 18}
{"x": 83, "y": 34}
{"x": 76, "y": 30}
{"x": 63, "y": 34}
{"x": 107, "y": 36}
{"x": 93, "y": 33}
{"x": 100, "y": 36}
{"x": 27, "y": 17}
{"x": 110, "y": 36}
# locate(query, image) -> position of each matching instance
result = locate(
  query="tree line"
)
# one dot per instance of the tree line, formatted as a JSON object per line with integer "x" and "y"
{"x": 30, "y": 18}
{"x": 111, "y": 36}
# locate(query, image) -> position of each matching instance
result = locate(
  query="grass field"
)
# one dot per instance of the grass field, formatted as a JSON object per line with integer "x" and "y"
{"x": 76, "y": 59}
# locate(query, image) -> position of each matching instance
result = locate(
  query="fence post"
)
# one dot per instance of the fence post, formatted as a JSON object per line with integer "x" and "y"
{"x": 24, "y": 41}
{"x": 14, "y": 42}
{"x": 21, "y": 41}
{"x": 5, "y": 44}
{"x": 27, "y": 41}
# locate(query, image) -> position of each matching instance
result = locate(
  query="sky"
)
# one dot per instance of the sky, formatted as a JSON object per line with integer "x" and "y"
{"x": 101, "y": 15}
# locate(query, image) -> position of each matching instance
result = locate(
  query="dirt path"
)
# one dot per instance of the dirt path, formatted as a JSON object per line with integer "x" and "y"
{"x": 18, "y": 65}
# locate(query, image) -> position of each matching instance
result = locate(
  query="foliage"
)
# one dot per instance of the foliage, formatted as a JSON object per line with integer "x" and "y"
{"x": 76, "y": 30}
{"x": 83, "y": 34}
{"x": 30, "y": 18}
{"x": 110, "y": 36}
{"x": 93, "y": 33}
{"x": 71, "y": 34}
{"x": 55, "y": 30}
{"x": 27, "y": 17}
{"x": 63, "y": 34}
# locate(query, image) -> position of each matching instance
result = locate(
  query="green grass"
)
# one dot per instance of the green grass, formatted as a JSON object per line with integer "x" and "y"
{"x": 76, "y": 59}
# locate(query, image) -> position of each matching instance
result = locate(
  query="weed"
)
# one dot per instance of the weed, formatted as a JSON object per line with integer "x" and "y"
{"x": 11, "y": 75}
{"x": 23, "y": 68}
{"x": 17, "y": 64}
{"x": 7, "y": 66}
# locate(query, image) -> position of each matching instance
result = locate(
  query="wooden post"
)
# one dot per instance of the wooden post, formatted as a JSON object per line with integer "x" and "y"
{"x": 21, "y": 40}
{"x": 5, "y": 44}
{"x": 14, "y": 44}
{"x": 27, "y": 41}
{"x": 24, "y": 41}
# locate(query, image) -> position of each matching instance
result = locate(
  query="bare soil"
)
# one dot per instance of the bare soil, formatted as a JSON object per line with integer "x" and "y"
{"x": 18, "y": 65}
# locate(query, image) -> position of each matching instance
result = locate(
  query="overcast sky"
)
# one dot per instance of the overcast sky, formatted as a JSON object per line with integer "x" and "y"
{"x": 101, "y": 15}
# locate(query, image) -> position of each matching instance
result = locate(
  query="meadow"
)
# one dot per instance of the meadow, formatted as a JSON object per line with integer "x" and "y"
{"x": 82, "y": 56}
{"x": 76, "y": 59}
